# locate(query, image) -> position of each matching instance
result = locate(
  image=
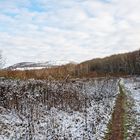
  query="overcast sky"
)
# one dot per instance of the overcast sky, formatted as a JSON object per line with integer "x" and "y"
{"x": 70, "y": 30}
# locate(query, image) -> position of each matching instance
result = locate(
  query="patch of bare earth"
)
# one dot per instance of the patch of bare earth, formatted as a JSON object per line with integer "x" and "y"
{"x": 116, "y": 126}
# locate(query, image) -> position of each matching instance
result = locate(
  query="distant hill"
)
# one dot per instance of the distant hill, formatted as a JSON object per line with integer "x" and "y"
{"x": 38, "y": 65}
{"x": 30, "y": 65}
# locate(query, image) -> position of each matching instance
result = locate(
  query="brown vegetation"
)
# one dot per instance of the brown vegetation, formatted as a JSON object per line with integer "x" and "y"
{"x": 115, "y": 65}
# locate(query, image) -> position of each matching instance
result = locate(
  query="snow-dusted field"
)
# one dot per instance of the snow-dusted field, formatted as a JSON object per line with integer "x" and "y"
{"x": 132, "y": 87}
{"x": 52, "y": 110}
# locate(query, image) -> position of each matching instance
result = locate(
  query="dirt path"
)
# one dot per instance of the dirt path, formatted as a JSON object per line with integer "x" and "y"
{"x": 116, "y": 126}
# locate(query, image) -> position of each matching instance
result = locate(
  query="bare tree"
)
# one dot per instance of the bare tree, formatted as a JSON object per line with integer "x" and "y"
{"x": 2, "y": 61}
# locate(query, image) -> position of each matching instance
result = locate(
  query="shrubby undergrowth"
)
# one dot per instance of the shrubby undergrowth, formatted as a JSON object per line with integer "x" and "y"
{"x": 44, "y": 109}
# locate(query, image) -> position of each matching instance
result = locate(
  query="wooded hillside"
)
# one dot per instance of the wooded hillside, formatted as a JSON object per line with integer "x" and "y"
{"x": 127, "y": 63}
{"x": 116, "y": 65}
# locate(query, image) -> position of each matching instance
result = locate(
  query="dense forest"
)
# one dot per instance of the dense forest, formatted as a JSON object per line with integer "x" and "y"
{"x": 116, "y": 65}
{"x": 127, "y": 63}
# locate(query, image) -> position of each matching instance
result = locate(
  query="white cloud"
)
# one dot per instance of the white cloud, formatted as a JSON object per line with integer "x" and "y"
{"x": 77, "y": 30}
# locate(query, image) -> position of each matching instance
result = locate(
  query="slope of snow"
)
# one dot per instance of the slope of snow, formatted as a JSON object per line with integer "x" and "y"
{"x": 29, "y": 68}
{"x": 132, "y": 86}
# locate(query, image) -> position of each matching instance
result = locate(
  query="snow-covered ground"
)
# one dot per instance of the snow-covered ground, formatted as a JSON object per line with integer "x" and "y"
{"x": 44, "y": 110}
{"x": 132, "y": 87}
{"x": 29, "y": 68}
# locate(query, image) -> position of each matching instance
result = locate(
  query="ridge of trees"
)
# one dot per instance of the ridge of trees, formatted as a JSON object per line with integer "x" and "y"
{"x": 115, "y": 65}
{"x": 126, "y": 63}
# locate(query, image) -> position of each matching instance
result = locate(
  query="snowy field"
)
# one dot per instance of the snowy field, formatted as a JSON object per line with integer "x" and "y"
{"x": 52, "y": 110}
{"x": 132, "y": 87}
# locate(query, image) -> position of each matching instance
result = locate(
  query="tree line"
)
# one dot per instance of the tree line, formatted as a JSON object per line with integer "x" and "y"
{"x": 127, "y": 63}
{"x": 116, "y": 65}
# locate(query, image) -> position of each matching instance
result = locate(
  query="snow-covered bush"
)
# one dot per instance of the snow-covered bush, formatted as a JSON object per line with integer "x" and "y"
{"x": 37, "y": 109}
